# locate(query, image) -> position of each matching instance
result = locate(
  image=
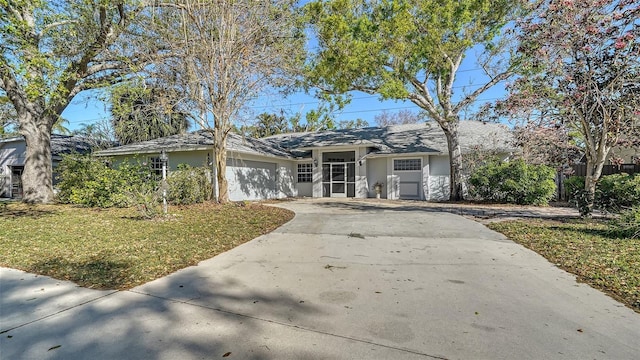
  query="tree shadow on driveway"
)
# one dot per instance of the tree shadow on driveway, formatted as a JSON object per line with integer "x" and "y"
{"x": 177, "y": 318}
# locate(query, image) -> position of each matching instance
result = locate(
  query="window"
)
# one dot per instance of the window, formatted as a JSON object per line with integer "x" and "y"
{"x": 156, "y": 165}
{"x": 305, "y": 173}
{"x": 407, "y": 165}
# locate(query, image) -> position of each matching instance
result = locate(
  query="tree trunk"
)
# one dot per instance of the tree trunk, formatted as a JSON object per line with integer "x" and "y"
{"x": 594, "y": 171}
{"x": 220, "y": 145}
{"x": 455, "y": 162}
{"x": 37, "y": 182}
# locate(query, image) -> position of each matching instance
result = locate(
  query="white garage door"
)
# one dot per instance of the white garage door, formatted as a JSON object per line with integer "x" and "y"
{"x": 251, "y": 180}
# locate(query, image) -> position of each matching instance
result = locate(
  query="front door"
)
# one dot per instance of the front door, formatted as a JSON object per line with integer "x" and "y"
{"x": 338, "y": 180}
{"x": 16, "y": 181}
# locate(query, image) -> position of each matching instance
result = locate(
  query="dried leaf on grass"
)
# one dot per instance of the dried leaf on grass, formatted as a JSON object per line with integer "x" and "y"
{"x": 586, "y": 249}
{"x": 114, "y": 249}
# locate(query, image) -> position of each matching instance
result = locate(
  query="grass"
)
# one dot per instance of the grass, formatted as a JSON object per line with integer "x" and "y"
{"x": 586, "y": 249}
{"x": 116, "y": 249}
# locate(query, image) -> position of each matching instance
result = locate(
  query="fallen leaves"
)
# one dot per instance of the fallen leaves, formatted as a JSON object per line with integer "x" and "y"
{"x": 586, "y": 249}
{"x": 113, "y": 249}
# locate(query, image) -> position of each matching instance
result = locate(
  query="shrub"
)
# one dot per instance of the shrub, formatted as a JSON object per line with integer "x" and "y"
{"x": 514, "y": 182}
{"x": 617, "y": 192}
{"x": 189, "y": 185}
{"x": 573, "y": 187}
{"x": 627, "y": 224}
{"x": 88, "y": 181}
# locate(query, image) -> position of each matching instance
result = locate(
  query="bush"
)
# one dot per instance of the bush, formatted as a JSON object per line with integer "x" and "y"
{"x": 88, "y": 181}
{"x": 617, "y": 192}
{"x": 189, "y": 185}
{"x": 514, "y": 182}
{"x": 573, "y": 187}
{"x": 627, "y": 224}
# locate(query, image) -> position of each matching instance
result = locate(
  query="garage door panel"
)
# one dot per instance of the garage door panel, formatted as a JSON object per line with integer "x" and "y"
{"x": 251, "y": 180}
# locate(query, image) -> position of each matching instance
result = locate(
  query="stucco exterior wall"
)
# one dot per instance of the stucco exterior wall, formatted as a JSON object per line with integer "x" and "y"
{"x": 250, "y": 177}
{"x": 376, "y": 172}
{"x": 12, "y": 153}
{"x": 438, "y": 178}
{"x": 286, "y": 179}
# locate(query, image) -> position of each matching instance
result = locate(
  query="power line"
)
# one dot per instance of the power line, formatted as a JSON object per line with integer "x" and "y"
{"x": 355, "y": 98}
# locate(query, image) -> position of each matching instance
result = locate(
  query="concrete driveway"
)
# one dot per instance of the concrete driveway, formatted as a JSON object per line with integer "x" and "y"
{"x": 343, "y": 280}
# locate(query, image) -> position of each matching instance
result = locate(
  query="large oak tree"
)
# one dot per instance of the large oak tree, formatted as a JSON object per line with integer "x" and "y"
{"x": 411, "y": 50}
{"x": 49, "y": 52}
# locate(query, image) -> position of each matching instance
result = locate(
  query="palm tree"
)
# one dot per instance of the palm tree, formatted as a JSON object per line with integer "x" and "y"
{"x": 145, "y": 112}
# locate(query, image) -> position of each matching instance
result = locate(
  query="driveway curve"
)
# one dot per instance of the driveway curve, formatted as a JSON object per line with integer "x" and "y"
{"x": 342, "y": 280}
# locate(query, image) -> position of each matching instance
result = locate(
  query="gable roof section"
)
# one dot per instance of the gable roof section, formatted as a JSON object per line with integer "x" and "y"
{"x": 198, "y": 140}
{"x": 403, "y": 139}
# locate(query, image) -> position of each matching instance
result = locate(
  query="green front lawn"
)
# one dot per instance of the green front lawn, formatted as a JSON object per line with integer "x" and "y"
{"x": 116, "y": 249}
{"x": 586, "y": 249}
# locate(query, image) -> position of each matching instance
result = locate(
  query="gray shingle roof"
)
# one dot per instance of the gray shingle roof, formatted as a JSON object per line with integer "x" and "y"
{"x": 398, "y": 139}
{"x": 198, "y": 140}
{"x": 64, "y": 144}
{"x": 61, "y": 144}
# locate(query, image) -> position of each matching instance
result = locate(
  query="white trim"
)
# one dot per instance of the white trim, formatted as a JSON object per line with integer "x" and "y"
{"x": 402, "y": 155}
{"x": 170, "y": 150}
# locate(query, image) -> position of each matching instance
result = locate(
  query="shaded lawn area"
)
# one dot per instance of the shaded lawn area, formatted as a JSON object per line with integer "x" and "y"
{"x": 116, "y": 249}
{"x": 586, "y": 249}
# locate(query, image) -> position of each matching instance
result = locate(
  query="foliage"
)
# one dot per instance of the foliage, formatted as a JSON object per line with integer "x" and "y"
{"x": 188, "y": 185}
{"x": 614, "y": 193}
{"x": 318, "y": 119}
{"x": 142, "y": 112}
{"x": 88, "y": 181}
{"x": 8, "y": 118}
{"x": 514, "y": 182}
{"x": 353, "y": 124}
{"x": 116, "y": 249}
{"x": 98, "y": 134}
{"x": 268, "y": 124}
{"x": 411, "y": 50}
{"x": 50, "y": 51}
{"x": 146, "y": 198}
{"x": 60, "y": 128}
{"x": 219, "y": 55}
{"x": 584, "y": 248}
{"x": 617, "y": 192}
{"x": 401, "y": 117}
{"x": 627, "y": 223}
{"x": 573, "y": 186}
{"x": 580, "y": 72}
{"x": 547, "y": 145}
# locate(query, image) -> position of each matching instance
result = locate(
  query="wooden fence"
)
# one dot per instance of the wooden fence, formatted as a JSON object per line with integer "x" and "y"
{"x": 581, "y": 169}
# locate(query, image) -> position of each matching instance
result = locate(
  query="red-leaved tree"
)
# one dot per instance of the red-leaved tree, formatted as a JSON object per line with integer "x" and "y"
{"x": 580, "y": 61}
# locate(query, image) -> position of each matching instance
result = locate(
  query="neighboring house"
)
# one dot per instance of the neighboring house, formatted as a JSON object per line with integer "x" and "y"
{"x": 409, "y": 161}
{"x": 13, "y": 154}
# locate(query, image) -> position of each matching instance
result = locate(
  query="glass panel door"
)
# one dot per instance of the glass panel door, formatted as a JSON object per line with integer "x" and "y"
{"x": 338, "y": 188}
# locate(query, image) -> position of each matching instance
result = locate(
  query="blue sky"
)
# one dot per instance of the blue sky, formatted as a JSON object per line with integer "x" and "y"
{"x": 87, "y": 107}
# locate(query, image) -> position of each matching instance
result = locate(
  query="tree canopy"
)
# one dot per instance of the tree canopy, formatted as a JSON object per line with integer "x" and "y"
{"x": 411, "y": 50}
{"x": 581, "y": 74}
{"x": 222, "y": 54}
{"x": 143, "y": 112}
{"x": 49, "y": 52}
